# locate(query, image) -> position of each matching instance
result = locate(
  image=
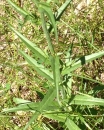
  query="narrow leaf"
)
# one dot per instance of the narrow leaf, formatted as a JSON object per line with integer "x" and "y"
{"x": 71, "y": 125}
{"x": 37, "y": 51}
{"x": 23, "y": 107}
{"x": 47, "y": 100}
{"x": 86, "y": 124}
{"x": 56, "y": 74}
{"x": 86, "y": 100}
{"x": 27, "y": 16}
{"x": 20, "y": 101}
{"x": 33, "y": 118}
{"x": 38, "y": 67}
{"x": 87, "y": 78}
{"x": 47, "y": 33}
{"x": 61, "y": 10}
{"x": 60, "y": 117}
{"x": 81, "y": 61}
{"x": 47, "y": 10}
{"x": 20, "y": 10}
{"x": 32, "y": 106}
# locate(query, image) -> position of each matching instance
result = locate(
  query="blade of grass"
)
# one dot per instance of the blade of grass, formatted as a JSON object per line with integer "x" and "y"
{"x": 56, "y": 74}
{"x": 47, "y": 34}
{"x": 23, "y": 107}
{"x": 38, "y": 67}
{"x": 32, "y": 46}
{"x": 45, "y": 7}
{"x": 27, "y": 16}
{"x": 32, "y": 106}
{"x": 33, "y": 118}
{"x": 61, "y": 10}
{"x": 87, "y": 78}
{"x": 20, "y": 101}
{"x": 20, "y": 10}
{"x": 81, "y": 61}
{"x": 47, "y": 100}
{"x": 71, "y": 125}
{"x": 60, "y": 117}
{"x": 86, "y": 124}
{"x": 86, "y": 100}
{"x": 74, "y": 31}
{"x": 43, "y": 105}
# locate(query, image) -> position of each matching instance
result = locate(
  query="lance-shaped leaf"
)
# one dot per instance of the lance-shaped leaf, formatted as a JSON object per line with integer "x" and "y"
{"x": 20, "y": 101}
{"x": 86, "y": 100}
{"x": 27, "y": 16}
{"x": 71, "y": 125}
{"x": 43, "y": 105}
{"x": 61, "y": 10}
{"x": 56, "y": 74}
{"x": 23, "y": 107}
{"x": 50, "y": 45}
{"x": 38, "y": 67}
{"x": 81, "y": 61}
{"x": 32, "y": 106}
{"x": 44, "y": 7}
{"x": 32, "y": 46}
{"x": 84, "y": 122}
{"x": 34, "y": 117}
{"x": 47, "y": 100}
{"x": 19, "y": 10}
{"x": 60, "y": 117}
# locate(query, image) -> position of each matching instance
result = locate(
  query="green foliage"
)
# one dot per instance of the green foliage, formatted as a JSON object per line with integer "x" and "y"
{"x": 59, "y": 103}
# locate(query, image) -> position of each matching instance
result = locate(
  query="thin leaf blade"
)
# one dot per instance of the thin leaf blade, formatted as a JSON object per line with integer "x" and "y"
{"x": 56, "y": 74}
{"x": 47, "y": 100}
{"x": 71, "y": 125}
{"x": 47, "y": 10}
{"x": 20, "y": 10}
{"x": 81, "y": 61}
{"x": 33, "y": 118}
{"x": 38, "y": 67}
{"x": 86, "y": 100}
{"x": 32, "y": 46}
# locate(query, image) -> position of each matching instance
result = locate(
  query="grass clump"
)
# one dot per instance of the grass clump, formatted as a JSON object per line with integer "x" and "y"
{"x": 60, "y": 88}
